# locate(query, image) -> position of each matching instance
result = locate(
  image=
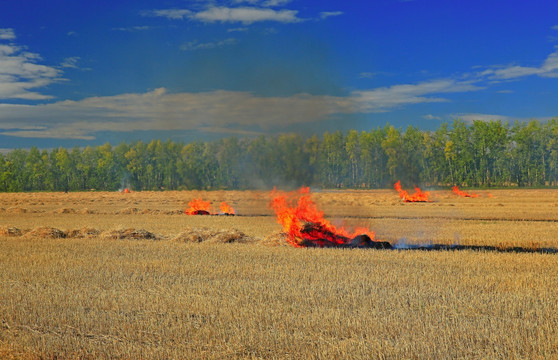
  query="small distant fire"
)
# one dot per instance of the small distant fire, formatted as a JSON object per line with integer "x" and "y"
{"x": 418, "y": 196}
{"x": 306, "y": 226}
{"x": 456, "y": 191}
{"x": 226, "y": 209}
{"x": 126, "y": 191}
{"x": 200, "y": 207}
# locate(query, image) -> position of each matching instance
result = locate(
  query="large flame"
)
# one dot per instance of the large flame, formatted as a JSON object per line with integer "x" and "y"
{"x": 305, "y": 225}
{"x": 226, "y": 209}
{"x": 198, "y": 207}
{"x": 463, "y": 193}
{"x": 418, "y": 196}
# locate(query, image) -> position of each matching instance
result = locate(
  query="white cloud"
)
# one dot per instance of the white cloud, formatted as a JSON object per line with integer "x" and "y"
{"x": 326, "y": 14}
{"x": 246, "y": 15}
{"x": 174, "y": 14}
{"x": 159, "y": 110}
{"x": 70, "y": 62}
{"x": 431, "y": 117}
{"x": 194, "y": 45}
{"x": 7, "y": 34}
{"x": 549, "y": 68}
{"x": 366, "y": 75}
{"x": 20, "y": 73}
{"x": 272, "y": 3}
{"x": 555, "y": 27}
{"x": 239, "y": 29}
{"x": 134, "y": 28}
{"x": 267, "y": 3}
{"x": 382, "y": 99}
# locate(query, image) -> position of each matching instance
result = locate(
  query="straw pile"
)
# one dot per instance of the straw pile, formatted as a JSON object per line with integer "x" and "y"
{"x": 9, "y": 231}
{"x": 198, "y": 235}
{"x": 135, "y": 234}
{"x": 46, "y": 232}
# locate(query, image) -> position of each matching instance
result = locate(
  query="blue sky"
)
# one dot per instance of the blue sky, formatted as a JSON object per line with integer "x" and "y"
{"x": 87, "y": 72}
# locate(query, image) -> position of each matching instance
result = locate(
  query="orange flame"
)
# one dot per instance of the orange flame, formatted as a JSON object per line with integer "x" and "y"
{"x": 126, "y": 191}
{"x": 305, "y": 223}
{"x": 198, "y": 207}
{"x": 418, "y": 196}
{"x": 463, "y": 193}
{"x": 226, "y": 209}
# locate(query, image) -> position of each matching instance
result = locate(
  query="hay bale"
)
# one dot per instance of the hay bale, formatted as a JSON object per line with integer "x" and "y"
{"x": 195, "y": 235}
{"x": 130, "y": 233}
{"x": 65, "y": 211}
{"x": 129, "y": 211}
{"x": 86, "y": 211}
{"x": 83, "y": 233}
{"x": 198, "y": 235}
{"x": 9, "y": 231}
{"x": 230, "y": 236}
{"x": 46, "y": 232}
{"x": 16, "y": 210}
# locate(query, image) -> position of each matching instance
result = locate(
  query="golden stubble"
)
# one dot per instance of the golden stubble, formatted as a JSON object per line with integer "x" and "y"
{"x": 100, "y": 297}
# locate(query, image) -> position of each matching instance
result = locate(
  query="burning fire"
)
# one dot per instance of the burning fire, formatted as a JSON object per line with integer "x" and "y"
{"x": 226, "y": 209}
{"x": 463, "y": 193}
{"x": 198, "y": 207}
{"x": 306, "y": 227}
{"x": 418, "y": 196}
{"x": 126, "y": 191}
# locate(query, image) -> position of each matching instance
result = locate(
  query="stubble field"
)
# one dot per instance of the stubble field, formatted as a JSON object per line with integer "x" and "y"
{"x": 115, "y": 275}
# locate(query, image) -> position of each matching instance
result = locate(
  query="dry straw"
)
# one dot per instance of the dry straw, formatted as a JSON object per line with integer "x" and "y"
{"x": 198, "y": 235}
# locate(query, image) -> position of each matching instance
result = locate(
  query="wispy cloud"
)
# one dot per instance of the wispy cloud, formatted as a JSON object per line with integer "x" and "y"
{"x": 160, "y": 110}
{"x": 174, "y": 14}
{"x": 431, "y": 117}
{"x": 20, "y": 72}
{"x": 7, "y": 34}
{"x": 70, "y": 62}
{"x": 239, "y": 29}
{"x": 243, "y": 11}
{"x": 366, "y": 75}
{"x": 385, "y": 98}
{"x": 549, "y": 68}
{"x": 195, "y": 45}
{"x": 134, "y": 28}
{"x": 272, "y": 3}
{"x": 326, "y": 14}
{"x": 265, "y": 3}
{"x": 259, "y": 11}
{"x": 246, "y": 15}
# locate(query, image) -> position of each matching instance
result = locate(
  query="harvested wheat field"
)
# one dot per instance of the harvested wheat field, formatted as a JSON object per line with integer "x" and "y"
{"x": 129, "y": 275}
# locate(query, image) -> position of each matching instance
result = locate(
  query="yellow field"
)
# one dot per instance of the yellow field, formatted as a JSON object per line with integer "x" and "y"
{"x": 92, "y": 296}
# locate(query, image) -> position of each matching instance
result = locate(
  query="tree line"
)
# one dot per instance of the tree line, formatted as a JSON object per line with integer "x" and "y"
{"x": 482, "y": 154}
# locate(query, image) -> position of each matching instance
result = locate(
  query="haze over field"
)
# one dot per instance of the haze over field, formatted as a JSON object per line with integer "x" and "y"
{"x": 83, "y": 73}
